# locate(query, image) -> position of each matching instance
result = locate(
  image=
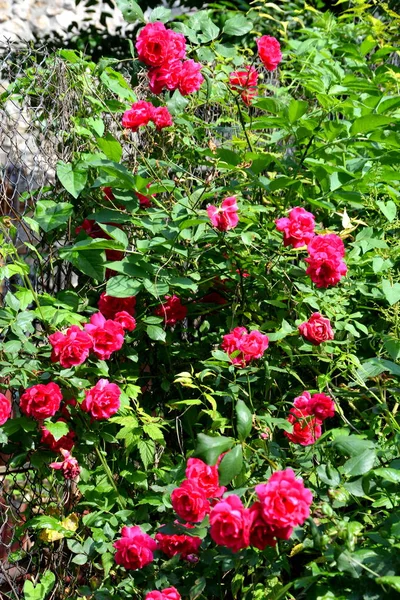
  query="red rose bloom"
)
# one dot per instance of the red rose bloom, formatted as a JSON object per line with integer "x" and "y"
{"x": 139, "y": 115}
{"x": 126, "y": 320}
{"x": 190, "y": 77}
{"x": 226, "y": 217}
{"x": 269, "y": 51}
{"x": 284, "y": 499}
{"x": 161, "y": 117}
{"x": 245, "y": 81}
{"x": 322, "y": 407}
{"x": 190, "y": 502}
{"x": 5, "y": 409}
{"x": 230, "y": 523}
{"x": 185, "y": 545}
{"x": 172, "y": 310}
{"x": 69, "y": 466}
{"x": 262, "y": 534}
{"x": 325, "y": 264}
{"x": 317, "y": 329}
{"x": 156, "y": 45}
{"x": 306, "y": 428}
{"x": 134, "y": 549}
{"x": 41, "y": 401}
{"x": 107, "y": 336}
{"x": 298, "y": 228}
{"x": 66, "y": 441}
{"x": 70, "y": 348}
{"x": 166, "y": 76}
{"x": 103, "y": 400}
{"x": 170, "y": 593}
{"x": 109, "y": 306}
{"x": 205, "y": 476}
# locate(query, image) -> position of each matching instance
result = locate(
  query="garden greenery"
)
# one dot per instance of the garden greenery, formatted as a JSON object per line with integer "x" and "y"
{"x": 217, "y": 375}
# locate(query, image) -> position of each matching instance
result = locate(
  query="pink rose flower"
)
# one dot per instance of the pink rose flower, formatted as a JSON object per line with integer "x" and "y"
{"x": 226, "y": 217}
{"x": 172, "y": 310}
{"x": 230, "y": 523}
{"x": 317, "y": 329}
{"x": 5, "y": 409}
{"x": 262, "y": 534}
{"x": 185, "y": 545}
{"x": 170, "y": 593}
{"x": 246, "y": 346}
{"x": 322, "y": 407}
{"x": 190, "y": 78}
{"x": 306, "y": 428}
{"x": 325, "y": 264}
{"x": 253, "y": 345}
{"x": 70, "y": 348}
{"x": 284, "y": 499}
{"x": 162, "y": 117}
{"x": 298, "y": 228}
{"x": 69, "y": 466}
{"x": 156, "y": 45}
{"x": 190, "y": 502}
{"x": 269, "y": 51}
{"x": 109, "y": 306}
{"x": 166, "y": 76}
{"x": 66, "y": 441}
{"x": 134, "y": 549}
{"x": 107, "y": 336}
{"x": 103, "y": 400}
{"x": 126, "y": 320}
{"x": 205, "y": 476}
{"x": 245, "y": 81}
{"x": 139, "y": 115}
{"x": 41, "y": 401}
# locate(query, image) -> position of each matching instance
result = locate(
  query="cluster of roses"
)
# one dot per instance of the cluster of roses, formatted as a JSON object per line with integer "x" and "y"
{"x": 325, "y": 261}
{"x": 245, "y": 80}
{"x": 244, "y": 346}
{"x": 283, "y": 503}
{"x": 101, "y": 335}
{"x": 307, "y": 415}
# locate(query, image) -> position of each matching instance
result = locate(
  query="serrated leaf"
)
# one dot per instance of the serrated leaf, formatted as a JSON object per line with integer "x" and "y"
{"x": 237, "y": 25}
{"x": 122, "y": 286}
{"x": 360, "y": 464}
{"x": 231, "y": 465}
{"x": 130, "y": 10}
{"x": 146, "y": 449}
{"x": 369, "y": 123}
{"x": 156, "y": 333}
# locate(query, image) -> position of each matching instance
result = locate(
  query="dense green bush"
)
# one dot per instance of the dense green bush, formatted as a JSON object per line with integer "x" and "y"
{"x": 322, "y": 133}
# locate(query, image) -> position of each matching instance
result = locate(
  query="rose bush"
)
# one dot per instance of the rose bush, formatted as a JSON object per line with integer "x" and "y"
{"x": 218, "y": 373}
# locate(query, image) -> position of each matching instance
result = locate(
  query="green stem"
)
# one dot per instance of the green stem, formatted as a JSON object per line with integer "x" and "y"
{"x": 110, "y": 477}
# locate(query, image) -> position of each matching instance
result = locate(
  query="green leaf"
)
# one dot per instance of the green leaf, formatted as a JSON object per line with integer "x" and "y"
{"x": 160, "y": 14}
{"x": 122, "y": 286}
{"x": 237, "y": 25}
{"x": 130, "y": 10}
{"x": 197, "y": 589}
{"x": 156, "y": 333}
{"x": 116, "y": 234}
{"x": 209, "y": 448}
{"x": 244, "y": 420}
{"x": 111, "y": 147}
{"x": 391, "y": 580}
{"x": 12, "y": 347}
{"x": 115, "y": 82}
{"x": 177, "y": 104}
{"x": 352, "y": 445}
{"x": 57, "y": 430}
{"x": 391, "y": 292}
{"x": 147, "y": 449}
{"x": 89, "y": 262}
{"x": 297, "y": 108}
{"x": 369, "y": 123}
{"x": 392, "y": 475}
{"x": 360, "y": 464}
{"x": 80, "y": 559}
{"x": 72, "y": 178}
{"x": 51, "y": 214}
{"x": 48, "y": 581}
{"x": 231, "y": 465}
{"x": 389, "y": 209}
